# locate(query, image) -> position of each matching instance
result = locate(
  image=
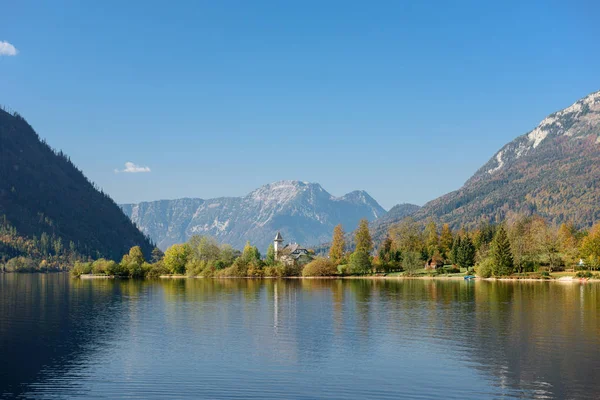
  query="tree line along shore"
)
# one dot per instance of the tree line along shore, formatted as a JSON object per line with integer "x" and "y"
{"x": 519, "y": 247}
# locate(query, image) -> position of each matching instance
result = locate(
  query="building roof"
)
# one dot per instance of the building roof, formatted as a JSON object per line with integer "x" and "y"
{"x": 294, "y": 250}
{"x": 292, "y": 247}
{"x": 278, "y": 237}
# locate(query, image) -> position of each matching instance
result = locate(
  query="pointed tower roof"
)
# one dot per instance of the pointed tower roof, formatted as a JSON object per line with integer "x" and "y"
{"x": 278, "y": 237}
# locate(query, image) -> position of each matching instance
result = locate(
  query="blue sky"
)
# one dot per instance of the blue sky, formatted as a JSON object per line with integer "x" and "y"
{"x": 402, "y": 99}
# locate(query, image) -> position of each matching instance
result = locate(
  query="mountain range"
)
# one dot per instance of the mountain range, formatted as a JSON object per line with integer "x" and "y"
{"x": 552, "y": 170}
{"x": 303, "y": 212}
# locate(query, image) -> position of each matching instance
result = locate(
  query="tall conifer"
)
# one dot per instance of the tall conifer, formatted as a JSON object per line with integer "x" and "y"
{"x": 501, "y": 255}
{"x": 362, "y": 238}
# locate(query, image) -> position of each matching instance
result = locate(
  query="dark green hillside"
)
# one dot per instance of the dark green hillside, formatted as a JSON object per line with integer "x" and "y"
{"x": 43, "y": 195}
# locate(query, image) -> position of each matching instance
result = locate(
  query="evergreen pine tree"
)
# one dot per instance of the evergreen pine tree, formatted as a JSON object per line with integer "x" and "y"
{"x": 385, "y": 251}
{"x": 455, "y": 250}
{"x": 362, "y": 238}
{"x": 270, "y": 260}
{"x": 466, "y": 253}
{"x": 501, "y": 254}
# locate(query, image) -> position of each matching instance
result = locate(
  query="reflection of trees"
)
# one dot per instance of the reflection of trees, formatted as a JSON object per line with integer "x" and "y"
{"x": 519, "y": 336}
{"x": 503, "y": 328}
{"x": 49, "y": 322}
{"x": 513, "y": 342}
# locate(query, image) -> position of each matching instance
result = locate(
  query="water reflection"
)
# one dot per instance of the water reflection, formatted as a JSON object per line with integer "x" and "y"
{"x": 226, "y": 338}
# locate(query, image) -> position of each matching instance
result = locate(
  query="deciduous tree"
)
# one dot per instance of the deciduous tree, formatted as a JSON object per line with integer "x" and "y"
{"x": 446, "y": 240}
{"x": 338, "y": 245}
{"x": 431, "y": 239}
{"x": 176, "y": 257}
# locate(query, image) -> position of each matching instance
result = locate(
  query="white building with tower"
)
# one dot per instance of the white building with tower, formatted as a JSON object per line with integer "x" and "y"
{"x": 291, "y": 253}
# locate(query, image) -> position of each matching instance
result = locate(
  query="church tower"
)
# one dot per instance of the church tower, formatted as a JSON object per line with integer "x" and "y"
{"x": 278, "y": 244}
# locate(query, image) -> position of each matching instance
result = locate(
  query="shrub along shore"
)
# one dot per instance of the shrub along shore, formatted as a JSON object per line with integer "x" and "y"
{"x": 521, "y": 248}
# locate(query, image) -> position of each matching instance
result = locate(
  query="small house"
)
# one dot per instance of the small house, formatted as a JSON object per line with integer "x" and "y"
{"x": 434, "y": 263}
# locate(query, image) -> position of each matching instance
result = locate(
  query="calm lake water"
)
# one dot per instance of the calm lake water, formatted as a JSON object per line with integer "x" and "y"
{"x": 297, "y": 339}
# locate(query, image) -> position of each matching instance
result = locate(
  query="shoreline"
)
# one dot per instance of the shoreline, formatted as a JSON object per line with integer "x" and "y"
{"x": 562, "y": 279}
{"x": 382, "y": 277}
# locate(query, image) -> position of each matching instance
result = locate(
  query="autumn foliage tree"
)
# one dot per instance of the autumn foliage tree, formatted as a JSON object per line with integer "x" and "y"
{"x": 446, "y": 240}
{"x": 590, "y": 247}
{"x": 338, "y": 245}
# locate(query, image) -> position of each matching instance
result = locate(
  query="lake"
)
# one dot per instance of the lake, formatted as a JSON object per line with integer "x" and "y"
{"x": 297, "y": 339}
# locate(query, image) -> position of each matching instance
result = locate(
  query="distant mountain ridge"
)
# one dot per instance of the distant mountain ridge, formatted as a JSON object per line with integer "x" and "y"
{"x": 42, "y": 192}
{"x": 304, "y": 212}
{"x": 552, "y": 170}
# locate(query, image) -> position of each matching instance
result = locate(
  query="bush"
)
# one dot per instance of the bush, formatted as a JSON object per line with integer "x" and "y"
{"x": 273, "y": 271}
{"x": 343, "y": 269}
{"x": 116, "y": 269}
{"x": 281, "y": 270}
{"x": 209, "y": 271}
{"x": 255, "y": 270}
{"x": 134, "y": 270}
{"x": 156, "y": 270}
{"x": 319, "y": 267}
{"x": 239, "y": 269}
{"x": 195, "y": 267}
{"x": 81, "y": 268}
{"x": 584, "y": 274}
{"x": 360, "y": 262}
{"x": 411, "y": 262}
{"x": 484, "y": 268}
{"x": 21, "y": 264}
{"x": 105, "y": 267}
{"x": 291, "y": 270}
{"x": 452, "y": 269}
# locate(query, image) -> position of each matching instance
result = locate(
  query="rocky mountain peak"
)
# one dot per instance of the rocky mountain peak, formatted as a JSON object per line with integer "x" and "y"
{"x": 282, "y": 191}
{"x": 302, "y": 211}
{"x": 576, "y": 122}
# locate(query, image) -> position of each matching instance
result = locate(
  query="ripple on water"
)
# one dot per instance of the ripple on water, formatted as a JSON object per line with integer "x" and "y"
{"x": 250, "y": 339}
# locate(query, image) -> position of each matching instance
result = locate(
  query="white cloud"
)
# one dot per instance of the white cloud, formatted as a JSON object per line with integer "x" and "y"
{"x": 7, "y": 49}
{"x": 132, "y": 168}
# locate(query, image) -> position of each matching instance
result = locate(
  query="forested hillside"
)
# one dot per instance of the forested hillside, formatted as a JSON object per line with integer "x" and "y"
{"x": 552, "y": 171}
{"x": 49, "y": 208}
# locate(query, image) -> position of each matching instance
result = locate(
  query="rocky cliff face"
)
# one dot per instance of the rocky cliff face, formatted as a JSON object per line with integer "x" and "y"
{"x": 303, "y": 212}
